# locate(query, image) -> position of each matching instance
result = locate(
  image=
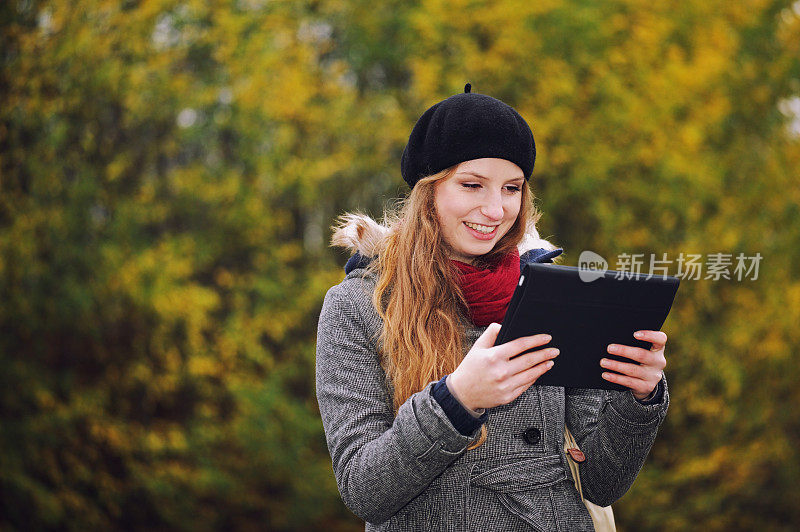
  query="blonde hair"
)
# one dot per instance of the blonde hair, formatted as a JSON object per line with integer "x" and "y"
{"x": 418, "y": 295}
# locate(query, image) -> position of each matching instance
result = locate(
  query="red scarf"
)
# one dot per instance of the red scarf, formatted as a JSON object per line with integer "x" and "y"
{"x": 489, "y": 292}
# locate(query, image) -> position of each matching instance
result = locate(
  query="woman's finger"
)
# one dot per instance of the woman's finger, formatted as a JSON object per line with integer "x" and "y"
{"x": 524, "y": 379}
{"x": 626, "y": 368}
{"x": 489, "y": 336}
{"x": 636, "y": 385}
{"x": 657, "y": 338}
{"x": 529, "y": 360}
{"x": 520, "y": 345}
{"x": 643, "y": 356}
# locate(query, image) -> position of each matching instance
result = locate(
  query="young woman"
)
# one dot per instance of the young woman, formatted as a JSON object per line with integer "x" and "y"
{"x": 429, "y": 425}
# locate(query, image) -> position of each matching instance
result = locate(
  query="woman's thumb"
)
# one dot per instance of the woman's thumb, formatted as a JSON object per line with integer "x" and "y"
{"x": 489, "y": 336}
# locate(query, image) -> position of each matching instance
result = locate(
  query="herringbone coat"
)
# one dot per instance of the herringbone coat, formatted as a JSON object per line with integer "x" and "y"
{"x": 413, "y": 472}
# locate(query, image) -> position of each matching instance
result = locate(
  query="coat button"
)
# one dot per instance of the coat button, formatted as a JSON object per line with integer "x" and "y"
{"x": 532, "y": 435}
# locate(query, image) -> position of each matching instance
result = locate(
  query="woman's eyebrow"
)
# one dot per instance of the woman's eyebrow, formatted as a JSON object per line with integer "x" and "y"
{"x": 518, "y": 178}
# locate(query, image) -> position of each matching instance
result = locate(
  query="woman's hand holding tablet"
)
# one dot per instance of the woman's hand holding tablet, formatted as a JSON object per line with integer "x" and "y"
{"x": 492, "y": 375}
{"x": 643, "y": 376}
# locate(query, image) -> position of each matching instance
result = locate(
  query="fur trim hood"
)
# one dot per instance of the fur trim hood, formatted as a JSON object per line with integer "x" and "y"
{"x": 362, "y": 235}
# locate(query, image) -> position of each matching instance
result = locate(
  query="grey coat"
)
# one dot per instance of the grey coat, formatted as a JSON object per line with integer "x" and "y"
{"x": 413, "y": 472}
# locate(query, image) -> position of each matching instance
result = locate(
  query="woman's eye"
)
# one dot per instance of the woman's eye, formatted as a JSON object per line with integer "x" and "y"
{"x": 513, "y": 189}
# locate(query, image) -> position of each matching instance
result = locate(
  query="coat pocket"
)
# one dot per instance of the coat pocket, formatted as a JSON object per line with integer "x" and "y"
{"x": 522, "y": 485}
{"x": 522, "y": 474}
{"x": 524, "y": 506}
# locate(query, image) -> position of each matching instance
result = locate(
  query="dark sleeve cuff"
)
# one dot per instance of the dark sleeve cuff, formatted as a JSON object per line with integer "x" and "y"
{"x": 656, "y": 397}
{"x": 461, "y": 419}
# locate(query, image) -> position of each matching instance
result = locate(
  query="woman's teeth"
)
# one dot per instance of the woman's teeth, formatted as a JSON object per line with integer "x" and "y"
{"x": 485, "y": 229}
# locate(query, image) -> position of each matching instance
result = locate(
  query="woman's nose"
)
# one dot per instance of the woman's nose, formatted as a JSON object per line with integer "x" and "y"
{"x": 493, "y": 208}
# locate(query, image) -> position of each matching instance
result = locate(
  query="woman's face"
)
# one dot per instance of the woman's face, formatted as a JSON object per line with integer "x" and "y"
{"x": 477, "y": 205}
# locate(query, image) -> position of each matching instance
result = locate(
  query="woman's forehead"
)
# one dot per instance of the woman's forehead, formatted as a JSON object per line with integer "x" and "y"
{"x": 490, "y": 168}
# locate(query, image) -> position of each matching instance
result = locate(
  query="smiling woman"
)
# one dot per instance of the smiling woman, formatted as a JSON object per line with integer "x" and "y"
{"x": 430, "y": 426}
{"x": 478, "y": 205}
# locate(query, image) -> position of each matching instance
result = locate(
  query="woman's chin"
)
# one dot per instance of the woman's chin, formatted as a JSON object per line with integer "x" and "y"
{"x": 473, "y": 252}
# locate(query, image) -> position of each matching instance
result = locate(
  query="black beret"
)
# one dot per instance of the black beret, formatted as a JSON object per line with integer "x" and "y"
{"x": 464, "y": 127}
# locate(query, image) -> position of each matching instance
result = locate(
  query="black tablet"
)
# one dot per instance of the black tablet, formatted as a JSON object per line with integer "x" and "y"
{"x": 584, "y": 311}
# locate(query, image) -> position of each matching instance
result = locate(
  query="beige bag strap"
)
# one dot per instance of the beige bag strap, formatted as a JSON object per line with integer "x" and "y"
{"x": 602, "y": 516}
{"x": 570, "y": 445}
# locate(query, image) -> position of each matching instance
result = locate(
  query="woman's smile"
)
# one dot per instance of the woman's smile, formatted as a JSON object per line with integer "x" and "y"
{"x": 482, "y": 232}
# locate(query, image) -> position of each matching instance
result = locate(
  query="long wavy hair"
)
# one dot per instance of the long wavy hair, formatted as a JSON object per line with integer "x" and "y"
{"x": 418, "y": 296}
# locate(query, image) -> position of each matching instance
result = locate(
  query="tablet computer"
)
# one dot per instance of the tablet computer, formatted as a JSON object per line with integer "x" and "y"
{"x": 583, "y": 314}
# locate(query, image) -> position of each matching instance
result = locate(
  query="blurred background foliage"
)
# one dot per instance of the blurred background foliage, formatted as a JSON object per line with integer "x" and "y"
{"x": 169, "y": 171}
